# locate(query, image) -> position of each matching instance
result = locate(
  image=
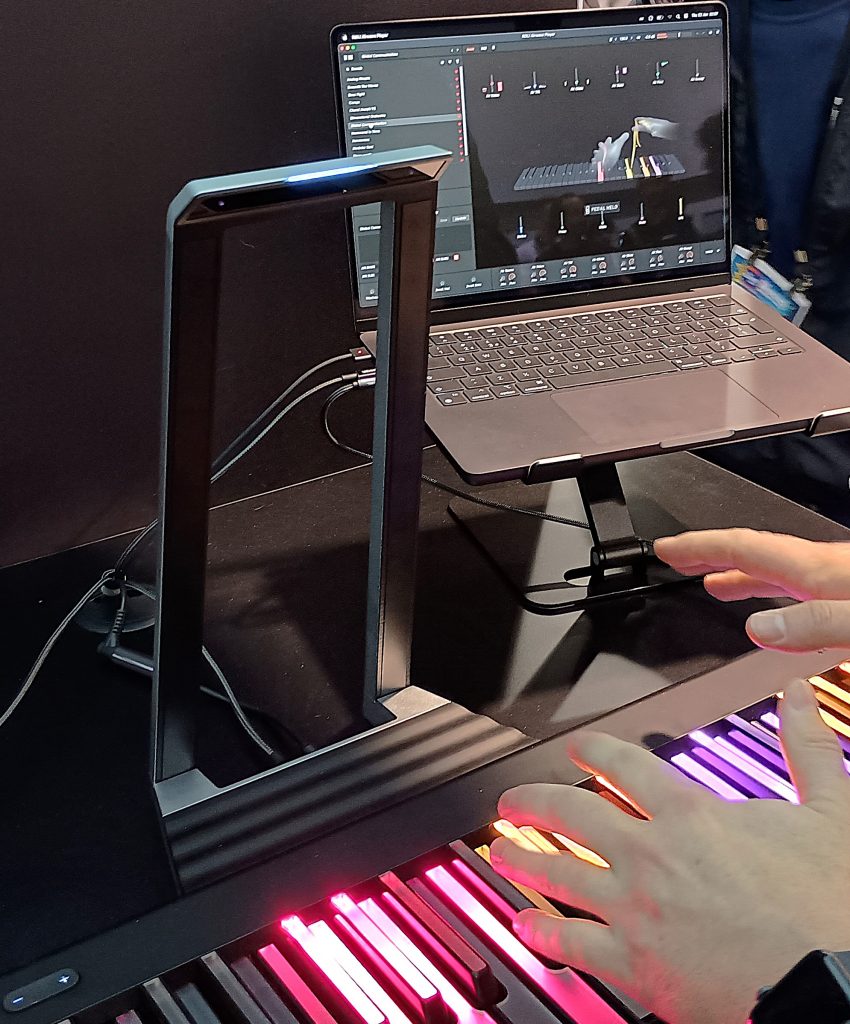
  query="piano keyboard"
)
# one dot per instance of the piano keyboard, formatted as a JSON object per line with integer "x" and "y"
{"x": 591, "y": 173}
{"x": 431, "y": 942}
{"x": 740, "y": 758}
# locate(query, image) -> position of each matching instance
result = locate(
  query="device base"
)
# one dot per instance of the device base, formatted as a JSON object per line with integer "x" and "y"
{"x": 528, "y": 553}
{"x": 98, "y": 616}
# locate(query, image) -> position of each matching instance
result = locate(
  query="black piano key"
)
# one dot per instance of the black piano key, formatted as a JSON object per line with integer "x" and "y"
{"x": 272, "y": 1005}
{"x": 292, "y": 982}
{"x": 163, "y": 1003}
{"x": 196, "y": 1007}
{"x": 238, "y": 1001}
{"x": 466, "y": 968}
{"x": 500, "y": 886}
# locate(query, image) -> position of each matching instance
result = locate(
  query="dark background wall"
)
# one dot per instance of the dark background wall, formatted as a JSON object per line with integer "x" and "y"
{"x": 107, "y": 108}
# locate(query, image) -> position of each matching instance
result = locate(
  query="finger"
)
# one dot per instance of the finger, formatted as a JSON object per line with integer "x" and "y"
{"x": 734, "y": 585}
{"x": 814, "y": 756}
{"x": 585, "y": 945}
{"x": 577, "y": 813}
{"x": 648, "y": 782}
{"x": 811, "y": 626}
{"x": 562, "y": 877}
{"x": 783, "y": 561}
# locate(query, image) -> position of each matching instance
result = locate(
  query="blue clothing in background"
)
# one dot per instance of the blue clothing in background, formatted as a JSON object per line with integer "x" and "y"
{"x": 795, "y": 46}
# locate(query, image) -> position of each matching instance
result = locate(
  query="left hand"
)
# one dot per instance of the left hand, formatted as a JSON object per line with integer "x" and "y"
{"x": 705, "y": 902}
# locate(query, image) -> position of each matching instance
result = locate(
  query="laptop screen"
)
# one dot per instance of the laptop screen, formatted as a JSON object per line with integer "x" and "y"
{"x": 588, "y": 146}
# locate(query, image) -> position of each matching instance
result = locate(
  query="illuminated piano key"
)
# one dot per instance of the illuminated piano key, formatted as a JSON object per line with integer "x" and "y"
{"x": 758, "y": 750}
{"x": 424, "y": 989}
{"x": 503, "y": 897}
{"x": 464, "y": 1010}
{"x": 516, "y": 835}
{"x": 462, "y": 964}
{"x": 836, "y": 709}
{"x": 745, "y": 764}
{"x": 264, "y": 995}
{"x": 295, "y": 987}
{"x": 564, "y": 987}
{"x": 755, "y": 729}
{"x": 358, "y": 973}
{"x": 619, "y": 794}
{"x": 686, "y": 764}
{"x": 322, "y": 954}
{"x": 771, "y": 719}
{"x": 582, "y": 852}
{"x": 420, "y": 1011}
{"x": 838, "y": 692}
{"x": 523, "y": 1001}
{"x": 742, "y": 781}
{"x": 534, "y": 897}
{"x": 543, "y": 844}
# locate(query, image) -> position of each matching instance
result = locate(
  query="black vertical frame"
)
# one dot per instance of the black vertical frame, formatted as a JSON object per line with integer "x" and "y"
{"x": 407, "y": 191}
{"x": 404, "y": 304}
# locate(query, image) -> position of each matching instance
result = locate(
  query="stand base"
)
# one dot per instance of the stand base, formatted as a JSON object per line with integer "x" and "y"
{"x": 529, "y": 555}
{"x": 99, "y": 614}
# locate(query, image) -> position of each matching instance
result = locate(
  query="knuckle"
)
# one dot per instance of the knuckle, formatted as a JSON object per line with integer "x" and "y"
{"x": 822, "y": 616}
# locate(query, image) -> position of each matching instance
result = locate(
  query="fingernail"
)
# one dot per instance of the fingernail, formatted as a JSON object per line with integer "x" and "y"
{"x": 799, "y": 695}
{"x": 768, "y": 627}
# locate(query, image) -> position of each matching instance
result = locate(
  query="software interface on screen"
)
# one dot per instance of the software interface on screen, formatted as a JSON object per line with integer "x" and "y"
{"x": 580, "y": 154}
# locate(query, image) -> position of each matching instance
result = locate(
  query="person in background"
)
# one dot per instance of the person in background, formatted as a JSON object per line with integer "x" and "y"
{"x": 706, "y": 902}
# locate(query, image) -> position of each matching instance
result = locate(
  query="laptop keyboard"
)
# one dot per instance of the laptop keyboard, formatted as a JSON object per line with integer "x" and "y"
{"x": 533, "y": 356}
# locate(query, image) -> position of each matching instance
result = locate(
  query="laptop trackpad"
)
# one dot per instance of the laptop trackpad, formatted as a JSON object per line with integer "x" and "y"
{"x": 698, "y": 404}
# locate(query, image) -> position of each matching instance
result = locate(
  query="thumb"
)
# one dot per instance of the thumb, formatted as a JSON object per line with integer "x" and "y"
{"x": 810, "y": 626}
{"x": 814, "y": 757}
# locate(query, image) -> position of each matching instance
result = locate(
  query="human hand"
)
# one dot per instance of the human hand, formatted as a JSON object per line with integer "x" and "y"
{"x": 740, "y": 564}
{"x": 657, "y": 127}
{"x": 608, "y": 151}
{"x": 706, "y": 902}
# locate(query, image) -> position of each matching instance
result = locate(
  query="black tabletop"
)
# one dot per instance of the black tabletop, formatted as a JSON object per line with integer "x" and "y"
{"x": 285, "y": 619}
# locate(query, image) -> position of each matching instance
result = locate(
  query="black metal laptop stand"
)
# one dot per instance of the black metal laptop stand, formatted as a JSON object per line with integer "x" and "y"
{"x": 621, "y": 566}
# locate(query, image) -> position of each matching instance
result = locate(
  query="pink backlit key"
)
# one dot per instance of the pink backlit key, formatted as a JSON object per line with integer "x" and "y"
{"x": 358, "y": 973}
{"x": 470, "y": 972}
{"x": 295, "y": 987}
{"x": 564, "y": 988}
{"x": 421, "y": 1010}
{"x": 466, "y": 1013}
{"x": 430, "y": 1007}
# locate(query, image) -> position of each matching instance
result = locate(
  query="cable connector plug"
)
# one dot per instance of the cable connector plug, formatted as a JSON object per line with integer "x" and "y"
{"x": 366, "y": 379}
{"x": 360, "y": 354}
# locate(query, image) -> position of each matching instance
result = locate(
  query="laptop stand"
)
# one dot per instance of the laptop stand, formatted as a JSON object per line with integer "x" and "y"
{"x": 527, "y": 552}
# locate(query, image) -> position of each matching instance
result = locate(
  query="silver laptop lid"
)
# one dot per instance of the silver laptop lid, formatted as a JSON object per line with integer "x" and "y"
{"x": 590, "y": 148}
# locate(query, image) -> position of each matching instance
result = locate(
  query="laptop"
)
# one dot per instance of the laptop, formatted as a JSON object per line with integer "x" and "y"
{"x": 583, "y": 304}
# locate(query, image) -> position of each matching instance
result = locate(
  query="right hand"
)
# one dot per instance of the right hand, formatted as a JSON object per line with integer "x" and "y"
{"x": 707, "y": 901}
{"x": 740, "y": 564}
